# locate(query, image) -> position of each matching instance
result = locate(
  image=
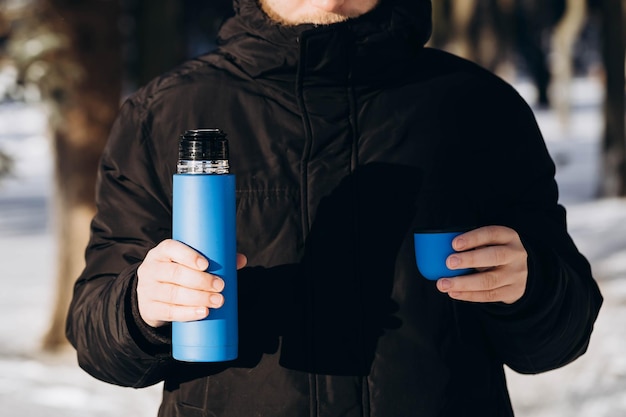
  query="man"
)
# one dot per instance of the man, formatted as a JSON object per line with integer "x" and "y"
{"x": 346, "y": 135}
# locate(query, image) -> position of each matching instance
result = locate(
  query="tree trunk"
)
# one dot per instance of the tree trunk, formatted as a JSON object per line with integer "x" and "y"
{"x": 613, "y": 182}
{"x": 461, "y": 17}
{"x": 85, "y": 107}
{"x": 564, "y": 38}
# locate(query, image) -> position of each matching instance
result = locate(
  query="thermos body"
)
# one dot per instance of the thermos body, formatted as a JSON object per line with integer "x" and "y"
{"x": 203, "y": 217}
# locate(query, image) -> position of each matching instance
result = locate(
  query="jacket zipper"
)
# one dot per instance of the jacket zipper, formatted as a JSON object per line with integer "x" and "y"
{"x": 304, "y": 207}
{"x": 354, "y": 163}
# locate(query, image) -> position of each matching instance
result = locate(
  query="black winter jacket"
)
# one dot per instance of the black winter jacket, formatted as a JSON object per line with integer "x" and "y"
{"x": 344, "y": 139}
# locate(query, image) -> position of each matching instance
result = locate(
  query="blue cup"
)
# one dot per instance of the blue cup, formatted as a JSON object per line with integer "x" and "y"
{"x": 432, "y": 248}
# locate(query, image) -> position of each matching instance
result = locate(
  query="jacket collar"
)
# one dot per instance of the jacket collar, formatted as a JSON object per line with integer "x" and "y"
{"x": 373, "y": 46}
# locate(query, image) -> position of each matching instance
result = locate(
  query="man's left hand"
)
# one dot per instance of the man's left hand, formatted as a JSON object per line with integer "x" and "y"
{"x": 497, "y": 254}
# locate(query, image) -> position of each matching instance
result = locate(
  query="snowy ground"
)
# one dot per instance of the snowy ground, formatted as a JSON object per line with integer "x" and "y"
{"x": 33, "y": 384}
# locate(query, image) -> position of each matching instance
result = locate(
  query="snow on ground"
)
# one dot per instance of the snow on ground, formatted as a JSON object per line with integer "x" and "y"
{"x": 33, "y": 384}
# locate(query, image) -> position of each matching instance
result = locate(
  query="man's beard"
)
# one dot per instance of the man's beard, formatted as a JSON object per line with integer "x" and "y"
{"x": 318, "y": 18}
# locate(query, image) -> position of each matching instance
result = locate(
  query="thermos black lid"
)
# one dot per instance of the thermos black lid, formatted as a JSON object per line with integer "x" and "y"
{"x": 203, "y": 145}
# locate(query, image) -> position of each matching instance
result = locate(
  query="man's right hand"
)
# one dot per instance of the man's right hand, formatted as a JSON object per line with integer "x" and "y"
{"x": 173, "y": 285}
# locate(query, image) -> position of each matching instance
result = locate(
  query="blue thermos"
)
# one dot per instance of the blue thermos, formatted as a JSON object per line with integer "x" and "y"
{"x": 203, "y": 217}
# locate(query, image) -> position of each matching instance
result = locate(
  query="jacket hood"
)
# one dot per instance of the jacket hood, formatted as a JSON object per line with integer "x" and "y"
{"x": 386, "y": 35}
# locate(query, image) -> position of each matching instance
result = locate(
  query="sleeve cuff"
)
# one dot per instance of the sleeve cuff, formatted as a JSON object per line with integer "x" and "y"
{"x": 154, "y": 341}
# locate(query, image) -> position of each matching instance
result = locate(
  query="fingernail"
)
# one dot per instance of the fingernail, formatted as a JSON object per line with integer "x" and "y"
{"x": 216, "y": 299}
{"x": 202, "y": 263}
{"x": 201, "y": 312}
{"x": 454, "y": 261}
{"x": 445, "y": 284}
{"x": 459, "y": 243}
{"x": 218, "y": 284}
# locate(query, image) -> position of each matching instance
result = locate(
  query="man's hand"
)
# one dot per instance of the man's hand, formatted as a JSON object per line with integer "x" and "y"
{"x": 172, "y": 284}
{"x": 499, "y": 257}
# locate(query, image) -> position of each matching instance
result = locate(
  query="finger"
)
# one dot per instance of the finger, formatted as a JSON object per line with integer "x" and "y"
{"x": 485, "y": 257}
{"x": 489, "y": 286}
{"x": 173, "y": 273}
{"x": 160, "y": 313}
{"x": 242, "y": 260}
{"x": 484, "y": 236}
{"x": 507, "y": 295}
{"x": 181, "y": 296}
{"x": 171, "y": 250}
{"x": 483, "y": 281}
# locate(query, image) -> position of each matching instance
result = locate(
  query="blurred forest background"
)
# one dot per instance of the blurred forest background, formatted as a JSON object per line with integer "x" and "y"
{"x": 81, "y": 58}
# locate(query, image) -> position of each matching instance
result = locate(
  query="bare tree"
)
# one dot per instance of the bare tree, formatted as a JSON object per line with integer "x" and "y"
{"x": 6, "y": 162}
{"x": 86, "y": 107}
{"x": 565, "y": 35}
{"x": 71, "y": 51}
{"x": 614, "y": 140}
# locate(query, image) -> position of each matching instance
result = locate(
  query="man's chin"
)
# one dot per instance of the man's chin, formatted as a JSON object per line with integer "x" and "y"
{"x": 316, "y": 18}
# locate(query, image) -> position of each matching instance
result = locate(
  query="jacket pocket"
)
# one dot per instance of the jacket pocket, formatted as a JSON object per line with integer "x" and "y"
{"x": 268, "y": 226}
{"x": 192, "y": 399}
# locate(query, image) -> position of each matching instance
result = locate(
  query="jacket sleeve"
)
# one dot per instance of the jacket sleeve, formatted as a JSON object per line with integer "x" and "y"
{"x": 133, "y": 215}
{"x": 551, "y": 324}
